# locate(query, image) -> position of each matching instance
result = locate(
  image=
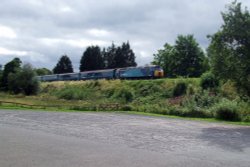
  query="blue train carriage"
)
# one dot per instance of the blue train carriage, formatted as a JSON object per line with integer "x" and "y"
{"x": 146, "y": 72}
{"x": 48, "y": 78}
{"x": 68, "y": 77}
{"x": 98, "y": 74}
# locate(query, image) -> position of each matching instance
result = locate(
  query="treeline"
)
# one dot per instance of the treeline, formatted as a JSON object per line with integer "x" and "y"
{"x": 18, "y": 78}
{"x": 94, "y": 58}
{"x": 228, "y": 54}
{"x": 227, "y": 58}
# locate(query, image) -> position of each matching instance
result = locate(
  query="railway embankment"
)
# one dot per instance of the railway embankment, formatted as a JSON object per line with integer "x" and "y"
{"x": 185, "y": 97}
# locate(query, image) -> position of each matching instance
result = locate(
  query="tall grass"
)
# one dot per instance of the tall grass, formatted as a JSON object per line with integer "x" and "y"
{"x": 181, "y": 97}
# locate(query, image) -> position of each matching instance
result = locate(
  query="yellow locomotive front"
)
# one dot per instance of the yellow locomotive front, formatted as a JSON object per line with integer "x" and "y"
{"x": 158, "y": 72}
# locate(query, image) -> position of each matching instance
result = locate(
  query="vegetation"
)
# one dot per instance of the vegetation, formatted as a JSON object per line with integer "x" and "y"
{"x": 17, "y": 79}
{"x": 149, "y": 96}
{"x": 222, "y": 93}
{"x": 64, "y": 65}
{"x": 43, "y": 71}
{"x": 229, "y": 49}
{"x": 10, "y": 68}
{"x": 112, "y": 57}
{"x": 185, "y": 58}
{"x": 92, "y": 59}
{"x": 209, "y": 81}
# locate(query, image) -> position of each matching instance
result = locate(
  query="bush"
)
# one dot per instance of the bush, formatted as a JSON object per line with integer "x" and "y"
{"x": 124, "y": 93}
{"x": 180, "y": 89}
{"x": 74, "y": 93}
{"x": 227, "y": 110}
{"x": 148, "y": 89}
{"x": 208, "y": 80}
{"x": 202, "y": 100}
{"x": 127, "y": 108}
{"x": 24, "y": 81}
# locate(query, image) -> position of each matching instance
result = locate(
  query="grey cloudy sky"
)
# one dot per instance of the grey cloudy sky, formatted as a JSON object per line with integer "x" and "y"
{"x": 40, "y": 31}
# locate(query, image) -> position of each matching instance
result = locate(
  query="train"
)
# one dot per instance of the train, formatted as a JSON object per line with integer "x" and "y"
{"x": 144, "y": 72}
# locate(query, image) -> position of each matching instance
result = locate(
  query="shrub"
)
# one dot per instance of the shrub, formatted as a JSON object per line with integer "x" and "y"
{"x": 195, "y": 112}
{"x": 227, "y": 110}
{"x": 124, "y": 93}
{"x": 208, "y": 80}
{"x": 127, "y": 108}
{"x": 229, "y": 90}
{"x": 202, "y": 99}
{"x": 148, "y": 89}
{"x": 23, "y": 81}
{"x": 180, "y": 89}
{"x": 190, "y": 89}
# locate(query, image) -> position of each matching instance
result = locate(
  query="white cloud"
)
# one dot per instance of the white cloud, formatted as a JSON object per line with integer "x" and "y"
{"x": 65, "y": 9}
{"x": 98, "y": 32}
{"x": 80, "y": 43}
{"x": 41, "y": 31}
{"x": 4, "y": 51}
{"x": 7, "y": 32}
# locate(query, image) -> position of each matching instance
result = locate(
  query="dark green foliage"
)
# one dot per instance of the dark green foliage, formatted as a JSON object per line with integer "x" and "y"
{"x": 188, "y": 58}
{"x": 180, "y": 89}
{"x": 194, "y": 112}
{"x": 227, "y": 110}
{"x": 127, "y": 56}
{"x": 11, "y": 67}
{"x": 23, "y": 81}
{"x": 64, "y": 65}
{"x": 127, "y": 108}
{"x": 109, "y": 55}
{"x": 92, "y": 59}
{"x": 229, "y": 49}
{"x": 43, "y": 71}
{"x": 118, "y": 57}
{"x": 208, "y": 81}
{"x": 1, "y": 75}
{"x": 112, "y": 57}
{"x": 185, "y": 58}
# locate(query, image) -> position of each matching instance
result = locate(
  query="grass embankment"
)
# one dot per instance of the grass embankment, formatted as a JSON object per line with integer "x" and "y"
{"x": 178, "y": 97}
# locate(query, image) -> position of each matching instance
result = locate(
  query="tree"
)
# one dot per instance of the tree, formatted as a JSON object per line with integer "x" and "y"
{"x": 24, "y": 81}
{"x": 92, "y": 59}
{"x": 43, "y": 71}
{"x": 119, "y": 57}
{"x": 127, "y": 57}
{"x": 164, "y": 59}
{"x": 64, "y": 65}
{"x": 185, "y": 58}
{"x": 230, "y": 48}
{"x": 109, "y": 55}
{"x": 188, "y": 58}
{"x": 11, "y": 67}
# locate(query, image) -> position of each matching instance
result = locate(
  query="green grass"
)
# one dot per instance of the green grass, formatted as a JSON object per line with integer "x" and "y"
{"x": 142, "y": 96}
{"x": 209, "y": 120}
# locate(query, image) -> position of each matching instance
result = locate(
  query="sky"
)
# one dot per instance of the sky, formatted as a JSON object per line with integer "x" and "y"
{"x": 39, "y": 32}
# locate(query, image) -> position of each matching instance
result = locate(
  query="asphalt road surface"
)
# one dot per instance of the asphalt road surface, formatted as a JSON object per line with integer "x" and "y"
{"x": 60, "y": 139}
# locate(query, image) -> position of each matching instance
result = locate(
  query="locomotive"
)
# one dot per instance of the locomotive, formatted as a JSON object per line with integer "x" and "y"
{"x": 144, "y": 72}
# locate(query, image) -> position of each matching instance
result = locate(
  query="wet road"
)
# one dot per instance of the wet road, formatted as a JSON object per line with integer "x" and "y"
{"x": 60, "y": 139}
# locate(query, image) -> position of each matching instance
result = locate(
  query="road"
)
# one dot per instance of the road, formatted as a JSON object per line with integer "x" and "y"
{"x": 75, "y": 139}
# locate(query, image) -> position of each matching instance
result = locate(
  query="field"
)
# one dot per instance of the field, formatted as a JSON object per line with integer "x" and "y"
{"x": 177, "y": 97}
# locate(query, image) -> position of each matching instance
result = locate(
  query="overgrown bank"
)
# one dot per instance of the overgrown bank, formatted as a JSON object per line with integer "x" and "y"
{"x": 180, "y": 97}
